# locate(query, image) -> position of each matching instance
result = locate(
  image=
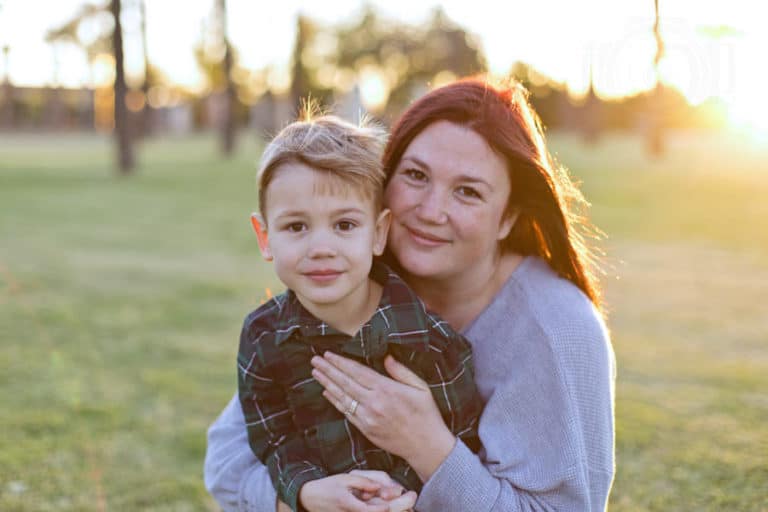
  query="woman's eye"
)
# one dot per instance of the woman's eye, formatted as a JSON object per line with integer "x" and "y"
{"x": 296, "y": 227}
{"x": 415, "y": 174}
{"x": 345, "y": 225}
{"x": 469, "y": 192}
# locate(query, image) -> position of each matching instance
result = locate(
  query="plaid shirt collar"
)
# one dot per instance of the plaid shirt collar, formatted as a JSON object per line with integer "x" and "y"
{"x": 401, "y": 318}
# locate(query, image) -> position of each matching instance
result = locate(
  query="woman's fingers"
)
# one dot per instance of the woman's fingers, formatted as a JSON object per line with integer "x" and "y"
{"x": 342, "y": 408}
{"x": 360, "y": 373}
{"x": 335, "y": 391}
{"x": 350, "y": 384}
{"x": 402, "y": 373}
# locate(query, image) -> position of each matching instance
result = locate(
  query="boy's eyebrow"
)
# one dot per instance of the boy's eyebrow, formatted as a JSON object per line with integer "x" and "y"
{"x": 340, "y": 211}
{"x": 461, "y": 177}
{"x": 291, "y": 213}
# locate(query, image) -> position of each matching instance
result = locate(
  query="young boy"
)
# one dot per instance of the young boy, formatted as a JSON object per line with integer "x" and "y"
{"x": 321, "y": 223}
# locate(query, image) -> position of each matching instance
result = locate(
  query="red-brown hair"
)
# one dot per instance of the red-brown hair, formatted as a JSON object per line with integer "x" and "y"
{"x": 550, "y": 224}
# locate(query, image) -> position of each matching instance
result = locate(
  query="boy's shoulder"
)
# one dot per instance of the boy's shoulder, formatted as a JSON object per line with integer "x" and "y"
{"x": 265, "y": 318}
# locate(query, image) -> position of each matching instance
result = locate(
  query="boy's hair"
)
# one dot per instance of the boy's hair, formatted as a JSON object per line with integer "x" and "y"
{"x": 330, "y": 145}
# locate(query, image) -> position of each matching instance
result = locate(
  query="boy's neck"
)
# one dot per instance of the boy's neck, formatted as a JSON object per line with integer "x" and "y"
{"x": 349, "y": 315}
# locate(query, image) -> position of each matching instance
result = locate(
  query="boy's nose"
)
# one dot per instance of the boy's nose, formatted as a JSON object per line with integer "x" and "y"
{"x": 320, "y": 247}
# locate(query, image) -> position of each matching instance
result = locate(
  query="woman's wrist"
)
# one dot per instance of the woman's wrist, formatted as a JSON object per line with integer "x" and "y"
{"x": 432, "y": 453}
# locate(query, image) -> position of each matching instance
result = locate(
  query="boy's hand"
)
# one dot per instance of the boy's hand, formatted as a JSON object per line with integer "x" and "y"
{"x": 391, "y": 493}
{"x": 340, "y": 493}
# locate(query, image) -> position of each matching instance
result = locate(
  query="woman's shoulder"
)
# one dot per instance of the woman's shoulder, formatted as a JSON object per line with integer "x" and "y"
{"x": 550, "y": 300}
{"x": 537, "y": 304}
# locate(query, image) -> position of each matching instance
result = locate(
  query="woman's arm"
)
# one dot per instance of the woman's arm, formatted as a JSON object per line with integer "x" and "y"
{"x": 236, "y": 479}
{"x": 547, "y": 429}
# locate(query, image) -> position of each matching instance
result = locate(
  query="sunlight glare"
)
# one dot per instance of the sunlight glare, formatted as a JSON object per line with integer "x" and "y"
{"x": 373, "y": 88}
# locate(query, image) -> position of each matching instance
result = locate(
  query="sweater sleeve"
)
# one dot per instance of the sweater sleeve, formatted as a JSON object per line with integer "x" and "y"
{"x": 544, "y": 412}
{"x": 233, "y": 475}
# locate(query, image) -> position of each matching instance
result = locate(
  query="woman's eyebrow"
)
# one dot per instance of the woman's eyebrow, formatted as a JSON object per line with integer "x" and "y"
{"x": 472, "y": 179}
{"x": 417, "y": 161}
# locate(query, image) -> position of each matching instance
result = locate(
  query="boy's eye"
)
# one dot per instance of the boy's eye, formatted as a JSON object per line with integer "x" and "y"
{"x": 296, "y": 227}
{"x": 415, "y": 174}
{"x": 345, "y": 225}
{"x": 469, "y": 192}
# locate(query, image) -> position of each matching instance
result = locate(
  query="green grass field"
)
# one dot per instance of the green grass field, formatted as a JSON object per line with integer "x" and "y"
{"x": 121, "y": 302}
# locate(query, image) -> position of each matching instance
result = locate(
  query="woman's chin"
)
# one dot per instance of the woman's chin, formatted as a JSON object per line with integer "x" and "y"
{"x": 417, "y": 265}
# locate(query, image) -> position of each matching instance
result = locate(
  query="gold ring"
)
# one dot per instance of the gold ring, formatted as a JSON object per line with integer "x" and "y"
{"x": 352, "y": 408}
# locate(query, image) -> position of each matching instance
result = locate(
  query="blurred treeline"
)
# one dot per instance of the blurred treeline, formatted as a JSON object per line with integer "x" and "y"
{"x": 371, "y": 63}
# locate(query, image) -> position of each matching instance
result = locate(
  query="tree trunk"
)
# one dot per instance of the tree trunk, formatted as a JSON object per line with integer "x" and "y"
{"x": 228, "y": 119}
{"x": 122, "y": 128}
{"x": 146, "y": 111}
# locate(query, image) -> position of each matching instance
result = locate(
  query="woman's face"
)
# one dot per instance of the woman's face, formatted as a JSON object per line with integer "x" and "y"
{"x": 448, "y": 195}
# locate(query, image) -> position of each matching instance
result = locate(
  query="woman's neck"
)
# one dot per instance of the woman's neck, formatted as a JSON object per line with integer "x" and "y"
{"x": 460, "y": 299}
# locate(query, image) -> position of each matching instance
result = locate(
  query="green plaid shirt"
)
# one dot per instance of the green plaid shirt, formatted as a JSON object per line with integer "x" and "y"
{"x": 296, "y": 432}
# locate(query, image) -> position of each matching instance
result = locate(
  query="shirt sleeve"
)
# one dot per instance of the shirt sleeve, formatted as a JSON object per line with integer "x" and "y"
{"x": 234, "y": 477}
{"x": 534, "y": 431}
{"x": 272, "y": 433}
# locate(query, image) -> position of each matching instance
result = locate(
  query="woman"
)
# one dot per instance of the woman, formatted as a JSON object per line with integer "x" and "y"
{"x": 486, "y": 229}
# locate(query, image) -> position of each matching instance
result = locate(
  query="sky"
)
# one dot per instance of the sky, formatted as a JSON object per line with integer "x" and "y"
{"x": 565, "y": 40}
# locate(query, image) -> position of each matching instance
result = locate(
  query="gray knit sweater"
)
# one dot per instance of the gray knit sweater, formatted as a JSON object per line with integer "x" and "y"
{"x": 545, "y": 369}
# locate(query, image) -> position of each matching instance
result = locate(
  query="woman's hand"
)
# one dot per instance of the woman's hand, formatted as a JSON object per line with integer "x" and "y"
{"x": 399, "y": 416}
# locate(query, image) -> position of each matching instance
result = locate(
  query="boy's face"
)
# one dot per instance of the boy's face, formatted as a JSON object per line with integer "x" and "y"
{"x": 322, "y": 235}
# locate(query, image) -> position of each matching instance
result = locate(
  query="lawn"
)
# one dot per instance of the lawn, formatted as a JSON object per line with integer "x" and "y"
{"x": 121, "y": 301}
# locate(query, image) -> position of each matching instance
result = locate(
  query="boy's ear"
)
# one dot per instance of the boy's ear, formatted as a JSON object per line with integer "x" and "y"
{"x": 381, "y": 231}
{"x": 260, "y": 227}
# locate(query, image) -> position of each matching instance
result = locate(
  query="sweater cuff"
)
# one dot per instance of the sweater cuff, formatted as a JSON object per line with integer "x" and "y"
{"x": 256, "y": 491}
{"x": 460, "y": 483}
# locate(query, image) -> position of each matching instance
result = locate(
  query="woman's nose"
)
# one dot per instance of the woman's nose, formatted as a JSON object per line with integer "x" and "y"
{"x": 432, "y": 207}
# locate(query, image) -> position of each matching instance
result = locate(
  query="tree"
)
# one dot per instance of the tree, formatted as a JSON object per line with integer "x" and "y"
{"x": 228, "y": 121}
{"x": 146, "y": 113}
{"x": 122, "y": 128}
{"x": 409, "y": 57}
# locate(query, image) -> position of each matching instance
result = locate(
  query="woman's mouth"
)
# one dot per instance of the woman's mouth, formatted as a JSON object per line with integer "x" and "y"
{"x": 425, "y": 239}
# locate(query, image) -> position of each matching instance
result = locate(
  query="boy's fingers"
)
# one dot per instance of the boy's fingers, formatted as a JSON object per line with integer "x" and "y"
{"x": 361, "y": 483}
{"x": 404, "y": 503}
{"x": 390, "y": 492}
{"x": 352, "y": 504}
{"x": 374, "y": 474}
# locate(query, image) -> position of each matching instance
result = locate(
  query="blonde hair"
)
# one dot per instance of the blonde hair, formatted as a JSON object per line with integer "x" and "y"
{"x": 329, "y": 145}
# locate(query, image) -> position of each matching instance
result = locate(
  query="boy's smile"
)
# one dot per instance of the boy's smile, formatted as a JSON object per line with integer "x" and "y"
{"x": 322, "y": 234}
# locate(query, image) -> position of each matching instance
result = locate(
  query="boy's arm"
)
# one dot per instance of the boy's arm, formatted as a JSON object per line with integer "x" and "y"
{"x": 272, "y": 435}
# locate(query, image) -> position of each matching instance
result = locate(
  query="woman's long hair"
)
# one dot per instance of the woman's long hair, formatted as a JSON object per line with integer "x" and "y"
{"x": 551, "y": 223}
